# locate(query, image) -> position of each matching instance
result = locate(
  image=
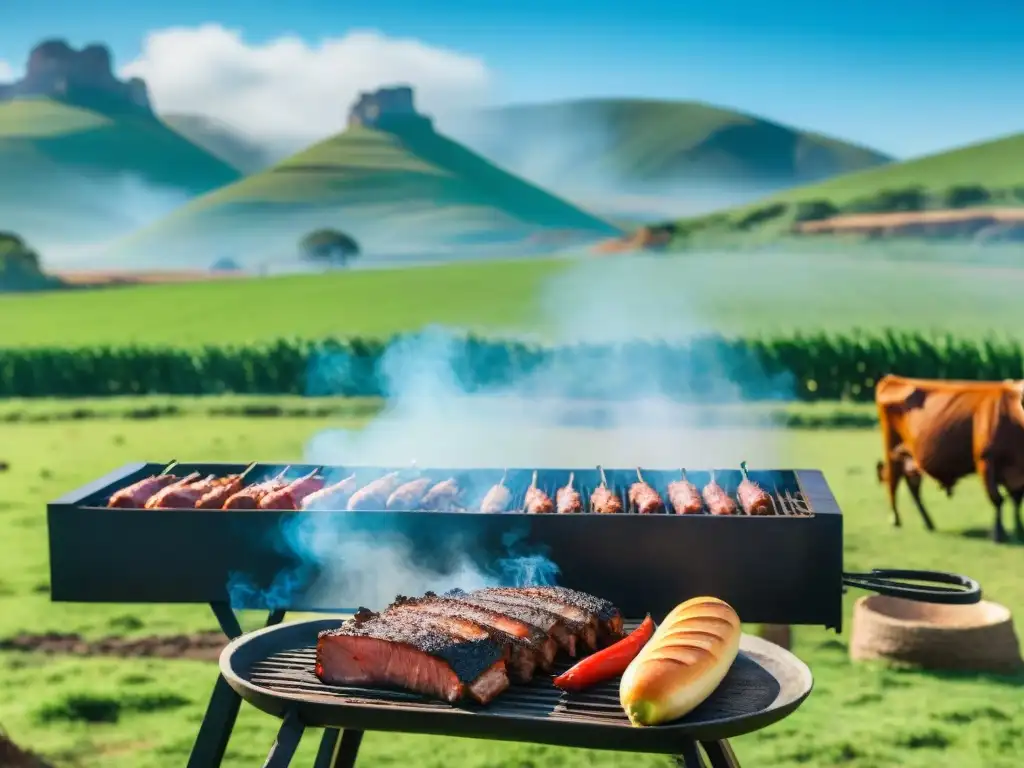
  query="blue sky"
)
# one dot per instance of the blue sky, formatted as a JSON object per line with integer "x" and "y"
{"x": 905, "y": 76}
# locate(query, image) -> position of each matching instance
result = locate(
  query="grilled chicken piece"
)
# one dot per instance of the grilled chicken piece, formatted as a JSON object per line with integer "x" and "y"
{"x": 530, "y": 648}
{"x": 137, "y": 494}
{"x": 183, "y": 496}
{"x": 497, "y": 499}
{"x": 410, "y": 495}
{"x": 374, "y": 495}
{"x": 536, "y": 502}
{"x": 603, "y": 500}
{"x": 752, "y": 497}
{"x": 220, "y": 492}
{"x": 251, "y": 496}
{"x": 293, "y": 494}
{"x": 414, "y": 651}
{"x": 719, "y": 502}
{"x": 443, "y": 497}
{"x": 154, "y": 501}
{"x": 684, "y": 497}
{"x": 334, "y": 496}
{"x": 567, "y": 498}
{"x": 644, "y": 498}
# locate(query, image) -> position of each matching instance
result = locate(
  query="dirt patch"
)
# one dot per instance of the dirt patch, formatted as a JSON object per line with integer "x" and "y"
{"x": 13, "y": 756}
{"x": 1005, "y": 223}
{"x": 104, "y": 278}
{"x": 644, "y": 239}
{"x": 205, "y": 646}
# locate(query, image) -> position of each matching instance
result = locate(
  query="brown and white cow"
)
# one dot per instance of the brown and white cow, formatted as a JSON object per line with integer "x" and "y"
{"x": 949, "y": 430}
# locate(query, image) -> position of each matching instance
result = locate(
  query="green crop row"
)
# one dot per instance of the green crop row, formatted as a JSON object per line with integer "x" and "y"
{"x": 798, "y": 367}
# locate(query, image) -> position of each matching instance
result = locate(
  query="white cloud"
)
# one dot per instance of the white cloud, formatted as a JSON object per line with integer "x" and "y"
{"x": 6, "y": 72}
{"x": 289, "y": 93}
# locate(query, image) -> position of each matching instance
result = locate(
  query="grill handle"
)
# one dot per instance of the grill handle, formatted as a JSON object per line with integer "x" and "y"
{"x": 887, "y": 581}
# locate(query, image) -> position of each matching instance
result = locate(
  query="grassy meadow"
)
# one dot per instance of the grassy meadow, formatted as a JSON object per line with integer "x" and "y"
{"x": 740, "y": 294}
{"x": 144, "y": 713}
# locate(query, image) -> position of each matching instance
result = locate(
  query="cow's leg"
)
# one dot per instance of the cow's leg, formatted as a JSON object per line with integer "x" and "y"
{"x": 987, "y": 473}
{"x": 890, "y": 473}
{"x": 914, "y": 482}
{"x": 1017, "y": 496}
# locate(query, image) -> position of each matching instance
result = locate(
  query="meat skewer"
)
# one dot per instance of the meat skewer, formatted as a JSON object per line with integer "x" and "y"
{"x": 334, "y": 496}
{"x": 183, "y": 496}
{"x": 410, "y": 495}
{"x": 752, "y": 497}
{"x": 719, "y": 502}
{"x": 567, "y": 498}
{"x": 537, "y": 502}
{"x": 374, "y": 495}
{"x": 684, "y": 496}
{"x": 225, "y": 489}
{"x": 138, "y": 493}
{"x": 498, "y": 498}
{"x": 250, "y": 497}
{"x": 443, "y": 497}
{"x": 154, "y": 501}
{"x": 603, "y": 500}
{"x": 292, "y": 495}
{"x": 642, "y": 496}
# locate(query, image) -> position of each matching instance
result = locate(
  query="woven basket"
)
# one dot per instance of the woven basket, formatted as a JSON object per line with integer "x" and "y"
{"x": 977, "y": 637}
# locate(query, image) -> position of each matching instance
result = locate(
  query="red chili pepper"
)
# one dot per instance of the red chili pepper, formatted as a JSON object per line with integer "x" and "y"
{"x": 607, "y": 663}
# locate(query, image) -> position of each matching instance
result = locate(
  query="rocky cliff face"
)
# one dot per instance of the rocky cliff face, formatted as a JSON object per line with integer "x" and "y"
{"x": 385, "y": 107}
{"x": 57, "y": 70}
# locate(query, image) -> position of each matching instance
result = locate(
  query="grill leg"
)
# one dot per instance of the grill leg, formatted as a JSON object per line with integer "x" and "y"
{"x": 222, "y": 711}
{"x": 288, "y": 738}
{"x": 348, "y": 750}
{"x": 720, "y": 754}
{"x": 328, "y": 743}
{"x": 689, "y": 757}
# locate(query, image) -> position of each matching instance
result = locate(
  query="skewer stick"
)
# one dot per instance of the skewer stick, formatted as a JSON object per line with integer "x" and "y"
{"x": 173, "y": 463}
{"x": 572, "y": 476}
{"x": 682, "y": 473}
{"x": 504, "y": 475}
{"x": 533, "y": 482}
{"x": 245, "y": 472}
{"x": 640, "y": 477}
{"x": 743, "y": 469}
{"x": 604, "y": 480}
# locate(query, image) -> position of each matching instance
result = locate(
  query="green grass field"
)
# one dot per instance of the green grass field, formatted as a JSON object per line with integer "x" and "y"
{"x": 859, "y": 716}
{"x": 637, "y": 143}
{"x": 63, "y": 164}
{"x": 406, "y": 187}
{"x": 733, "y": 293}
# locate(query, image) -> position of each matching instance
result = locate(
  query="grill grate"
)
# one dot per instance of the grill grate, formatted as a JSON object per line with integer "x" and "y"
{"x": 748, "y": 688}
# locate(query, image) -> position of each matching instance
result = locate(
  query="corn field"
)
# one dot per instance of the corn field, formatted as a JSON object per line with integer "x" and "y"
{"x": 799, "y": 367}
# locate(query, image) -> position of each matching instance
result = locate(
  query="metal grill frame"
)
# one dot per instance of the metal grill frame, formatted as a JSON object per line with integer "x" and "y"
{"x": 780, "y": 569}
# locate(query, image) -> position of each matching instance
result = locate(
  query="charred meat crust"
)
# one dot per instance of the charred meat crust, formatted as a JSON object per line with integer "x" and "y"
{"x": 608, "y": 616}
{"x": 468, "y": 659}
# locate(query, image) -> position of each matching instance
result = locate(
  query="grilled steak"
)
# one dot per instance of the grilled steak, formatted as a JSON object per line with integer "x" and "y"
{"x": 609, "y": 620}
{"x": 414, "y": 651}
{"x": 579, "y": 621}
{"x": 555, "y": 626}
{"x": 528, "y": 646}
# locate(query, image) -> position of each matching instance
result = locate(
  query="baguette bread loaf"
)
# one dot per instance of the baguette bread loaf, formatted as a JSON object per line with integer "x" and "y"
{"x": 683, "y": 662}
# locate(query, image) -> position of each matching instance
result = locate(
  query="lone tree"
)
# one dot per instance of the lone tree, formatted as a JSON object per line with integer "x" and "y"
{"x": 329, "y": 247}
{"x": 19, "y": 264}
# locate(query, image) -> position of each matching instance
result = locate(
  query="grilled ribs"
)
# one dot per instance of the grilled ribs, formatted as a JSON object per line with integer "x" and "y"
{"x": 465, "y": 644}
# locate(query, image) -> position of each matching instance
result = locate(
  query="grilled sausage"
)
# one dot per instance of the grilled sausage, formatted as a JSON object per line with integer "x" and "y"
{"x": 443, "y": 497}
{"x": 220, "y": 492}
{"x": 752, "y": 497}
{"x": 183, "y": 496}
{"x": 536, "y": 501}
{"x": 292, "y": 495}
{"x": 334, "y": 496}
{"x": 684, "y": 497}
{"x": 719, "y": 502}
{"x": 603, "y": 500}
{"x": 644, "y": 498}
{"x": 567, "y": 499}
{"x": 409, "y": 496}
{"x": 250, "y": 497}
{"x": 497, "y": 499}
{"x": 374, "y": 495}
{"x": 137, "y": 494}
{"x": 154, "y": 501}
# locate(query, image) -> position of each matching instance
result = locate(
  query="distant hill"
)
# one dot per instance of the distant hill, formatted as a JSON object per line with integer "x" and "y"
{"x": 221, "y": 140}
{"x": 82, "y": 155}
{"x": 930, "y": 196}
{"x": 392, "y": 182}
{"x": 636, "y": 145}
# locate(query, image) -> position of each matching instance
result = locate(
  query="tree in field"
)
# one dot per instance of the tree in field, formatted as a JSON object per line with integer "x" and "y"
{"x": 17, "y": 259}
{"x": 329, "y": 247}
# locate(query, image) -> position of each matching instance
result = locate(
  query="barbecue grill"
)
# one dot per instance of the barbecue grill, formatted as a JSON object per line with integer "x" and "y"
{"x": 785, "y": 568}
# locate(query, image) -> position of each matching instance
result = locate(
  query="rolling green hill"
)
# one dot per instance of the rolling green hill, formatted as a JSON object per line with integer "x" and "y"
{"x": 636, "y": 144}
{"x": 404, "y": 189}
{"x": 65, "y": 167}
{"x": 979, "y": 176}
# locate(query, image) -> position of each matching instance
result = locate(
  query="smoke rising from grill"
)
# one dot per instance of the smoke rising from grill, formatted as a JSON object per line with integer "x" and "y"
{"x": 430, "y": 419}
